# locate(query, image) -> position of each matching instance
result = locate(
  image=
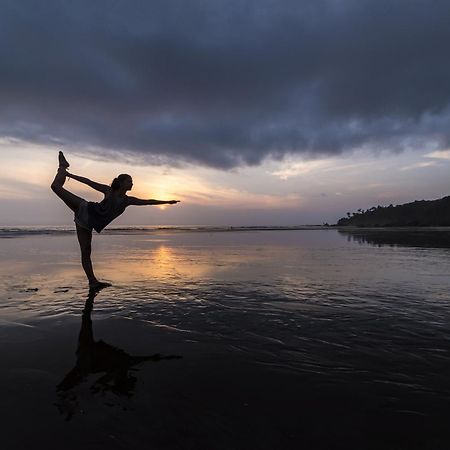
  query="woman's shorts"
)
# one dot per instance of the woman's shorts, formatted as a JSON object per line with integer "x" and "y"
{"x": 82, "y": 216}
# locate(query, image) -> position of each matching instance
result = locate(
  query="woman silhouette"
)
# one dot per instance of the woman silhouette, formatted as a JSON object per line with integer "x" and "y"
{"x": 92, "y": 215}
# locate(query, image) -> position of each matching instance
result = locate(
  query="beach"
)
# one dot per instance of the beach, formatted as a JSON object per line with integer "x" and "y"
{"x": 267, "y": 339}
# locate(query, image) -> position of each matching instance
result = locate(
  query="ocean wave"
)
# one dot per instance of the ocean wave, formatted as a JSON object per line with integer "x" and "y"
{"x": 21, "y": 231}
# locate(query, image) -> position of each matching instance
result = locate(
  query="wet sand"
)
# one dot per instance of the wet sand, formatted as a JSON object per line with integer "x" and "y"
{"x": 294, "y": 339}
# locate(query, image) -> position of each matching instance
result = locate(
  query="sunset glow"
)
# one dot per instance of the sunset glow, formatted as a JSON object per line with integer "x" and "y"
{"x": 288, "y": 192}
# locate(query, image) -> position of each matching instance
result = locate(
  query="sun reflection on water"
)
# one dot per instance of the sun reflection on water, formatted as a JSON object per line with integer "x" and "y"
{"x": 175, "y": 264}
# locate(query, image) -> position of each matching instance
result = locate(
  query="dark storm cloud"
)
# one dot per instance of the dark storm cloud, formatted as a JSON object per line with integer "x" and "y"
{"x": 229, "y": 82}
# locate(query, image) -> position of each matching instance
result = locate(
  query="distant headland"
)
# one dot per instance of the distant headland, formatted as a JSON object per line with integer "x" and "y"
{"x": 420, "y": 213}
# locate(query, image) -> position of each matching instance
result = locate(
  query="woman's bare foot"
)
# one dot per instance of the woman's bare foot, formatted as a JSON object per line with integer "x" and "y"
{"x": 98, "y": 285}
{"x": 63, "y": 161}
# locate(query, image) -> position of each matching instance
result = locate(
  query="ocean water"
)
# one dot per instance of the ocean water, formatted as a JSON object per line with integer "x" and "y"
{"x": 268, "y": 338}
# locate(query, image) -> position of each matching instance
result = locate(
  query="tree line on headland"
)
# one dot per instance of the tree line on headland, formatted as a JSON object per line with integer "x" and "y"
{"x": 423, "y": 213}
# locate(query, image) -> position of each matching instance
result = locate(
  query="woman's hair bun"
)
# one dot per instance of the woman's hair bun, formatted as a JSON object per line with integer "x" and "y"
{"x": 117, "y": 182}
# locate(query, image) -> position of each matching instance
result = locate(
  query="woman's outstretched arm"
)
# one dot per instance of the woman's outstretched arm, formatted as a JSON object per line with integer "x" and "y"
{"x": 97, "y": 186}
{"x": 142, "y": 202}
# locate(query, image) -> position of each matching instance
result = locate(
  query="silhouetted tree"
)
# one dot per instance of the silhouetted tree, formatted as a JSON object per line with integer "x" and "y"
{"x": 417, "y": 213}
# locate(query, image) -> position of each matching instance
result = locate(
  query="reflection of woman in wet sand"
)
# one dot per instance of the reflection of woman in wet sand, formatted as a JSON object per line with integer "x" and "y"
{"x": 92, "y": 215}
{"x": 94, "y": 357}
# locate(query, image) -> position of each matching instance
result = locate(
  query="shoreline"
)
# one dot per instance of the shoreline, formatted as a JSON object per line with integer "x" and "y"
{"x": 30, "y": 230}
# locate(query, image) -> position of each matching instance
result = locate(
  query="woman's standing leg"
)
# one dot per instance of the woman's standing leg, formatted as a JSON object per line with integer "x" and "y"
{"x": 85, "y": 241}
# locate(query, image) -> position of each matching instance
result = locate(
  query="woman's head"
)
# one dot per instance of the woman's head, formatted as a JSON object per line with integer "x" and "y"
{"x": 122, "y": 181}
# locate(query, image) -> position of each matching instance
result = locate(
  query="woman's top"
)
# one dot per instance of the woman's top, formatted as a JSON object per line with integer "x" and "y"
{"x": 103, "y": 213}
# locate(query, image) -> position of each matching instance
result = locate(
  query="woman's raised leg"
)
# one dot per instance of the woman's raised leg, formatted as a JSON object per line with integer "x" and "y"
{"x": 71, "y": 200}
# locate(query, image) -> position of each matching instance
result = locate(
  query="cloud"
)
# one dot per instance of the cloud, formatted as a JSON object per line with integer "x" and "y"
{"x": 293, "y": 169}
{"x": 225, "y": 83}
{"x": 442, "y": 154}
{"x": 419, "y": 165}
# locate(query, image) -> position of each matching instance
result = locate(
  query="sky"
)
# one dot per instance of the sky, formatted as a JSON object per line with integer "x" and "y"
{"x": 251, "y": 112}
